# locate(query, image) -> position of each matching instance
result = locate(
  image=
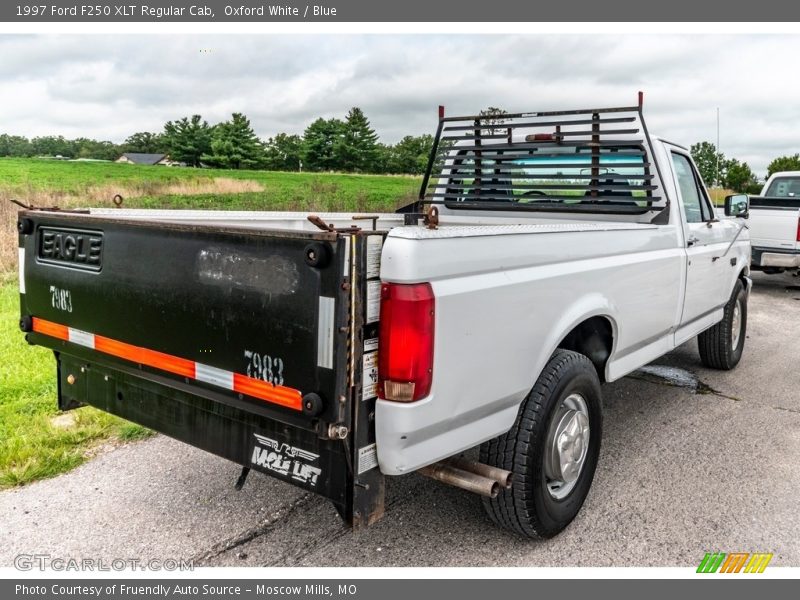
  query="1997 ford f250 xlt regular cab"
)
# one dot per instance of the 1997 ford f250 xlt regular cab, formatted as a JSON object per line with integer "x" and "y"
{"x": 559, "y": 250}
{"x": 775, "y": 224}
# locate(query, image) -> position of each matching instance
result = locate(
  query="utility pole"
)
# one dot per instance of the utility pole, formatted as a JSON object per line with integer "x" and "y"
{"x": 719, "y": 183}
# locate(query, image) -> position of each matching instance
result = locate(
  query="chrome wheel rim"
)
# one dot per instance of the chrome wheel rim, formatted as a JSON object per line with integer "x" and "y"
{"x": 566, "y": 446}
{"x": 736, "y": 324}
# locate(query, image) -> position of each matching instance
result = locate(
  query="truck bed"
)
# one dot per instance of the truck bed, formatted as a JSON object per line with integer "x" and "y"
{"x": 472, "y": 223}
{"x": 224, "y": 308}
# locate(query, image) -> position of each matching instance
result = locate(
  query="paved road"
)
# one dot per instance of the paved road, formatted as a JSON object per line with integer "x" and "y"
{"x": 682, "y": 471}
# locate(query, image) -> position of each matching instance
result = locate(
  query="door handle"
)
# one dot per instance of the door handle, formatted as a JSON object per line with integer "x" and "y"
{"x": 692, "y": 240}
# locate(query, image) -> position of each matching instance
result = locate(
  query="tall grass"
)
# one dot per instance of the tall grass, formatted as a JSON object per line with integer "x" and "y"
{"x": 8, "y": 237}
{"x": 718, "y": 195}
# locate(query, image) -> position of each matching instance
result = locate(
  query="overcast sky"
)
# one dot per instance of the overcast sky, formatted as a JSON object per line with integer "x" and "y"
{"x": 108, "y": 87}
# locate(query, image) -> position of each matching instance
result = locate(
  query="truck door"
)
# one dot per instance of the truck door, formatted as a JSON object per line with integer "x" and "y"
{"x": 705, "y": 239}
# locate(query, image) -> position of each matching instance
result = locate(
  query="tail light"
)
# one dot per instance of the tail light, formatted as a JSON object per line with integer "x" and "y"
{"x": 405, "y": 351}
{"x": 798, "y": 229}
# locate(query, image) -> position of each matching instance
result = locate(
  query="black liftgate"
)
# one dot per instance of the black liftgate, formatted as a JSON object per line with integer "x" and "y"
{"x": 257, "y": 346}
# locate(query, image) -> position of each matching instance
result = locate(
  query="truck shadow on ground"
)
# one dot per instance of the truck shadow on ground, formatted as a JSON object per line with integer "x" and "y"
{"x": 430, "y": 524}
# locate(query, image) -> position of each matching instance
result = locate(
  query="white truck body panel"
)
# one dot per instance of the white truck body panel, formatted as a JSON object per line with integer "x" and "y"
{"x": 774, "y": 229}
{"x": 507, "y": 295}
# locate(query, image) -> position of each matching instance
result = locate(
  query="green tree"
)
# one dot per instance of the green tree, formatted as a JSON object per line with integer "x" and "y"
{"x": 187, "y": 139}
{"x": 88, "y": 148}
{"x": 357, "y": 148}
{"x": 739, "y": 177}
{"x": 283, "y": 152}
{"x": 495, "y": 119}
{"x": 710, "y": 163}
{"x": 784, "y": 163}
{"x": 234, "y": 145}
{"x": 383, "y": 158}
{"x": 319, "y": 140}
{"x": 52, "y": 145}
{"x": 14, "y": 145}
{"x": 146, "y": 142}
{"x": 410, "y": 155}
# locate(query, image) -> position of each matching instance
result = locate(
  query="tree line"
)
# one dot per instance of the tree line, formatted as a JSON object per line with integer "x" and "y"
{"x": 716, "y": 169}
{"x": 349, "y": 145}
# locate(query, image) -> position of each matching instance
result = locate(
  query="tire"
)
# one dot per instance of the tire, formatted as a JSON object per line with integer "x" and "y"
{"x": 719, "y": 347}
{"x": 536, "y": 506}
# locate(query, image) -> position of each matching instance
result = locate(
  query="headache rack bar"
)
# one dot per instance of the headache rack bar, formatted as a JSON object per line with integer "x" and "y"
{"x": 570, "y": 160}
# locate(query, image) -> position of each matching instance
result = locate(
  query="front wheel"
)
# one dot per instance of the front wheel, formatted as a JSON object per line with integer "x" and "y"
{"x": 722, "y": 345}
{"x": 552, "y": 449}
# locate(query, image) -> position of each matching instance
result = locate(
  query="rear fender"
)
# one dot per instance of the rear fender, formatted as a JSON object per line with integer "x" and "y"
{"x": 586, "y": 307}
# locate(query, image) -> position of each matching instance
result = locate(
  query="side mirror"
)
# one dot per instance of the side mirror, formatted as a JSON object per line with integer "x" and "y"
{"x": 737, "y": 205}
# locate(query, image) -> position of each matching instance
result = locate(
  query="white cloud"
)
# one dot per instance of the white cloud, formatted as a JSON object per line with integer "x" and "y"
{"x": 108, "y": 87}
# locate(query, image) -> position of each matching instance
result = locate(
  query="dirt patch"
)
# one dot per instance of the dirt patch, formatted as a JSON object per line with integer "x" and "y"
{"x": 63, "y": 420}
{"x": 102, "y": 447}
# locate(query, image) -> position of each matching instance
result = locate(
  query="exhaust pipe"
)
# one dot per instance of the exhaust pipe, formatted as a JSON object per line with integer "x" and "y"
{"x": 472, "y": 482}
{"x": 501, "y": 476}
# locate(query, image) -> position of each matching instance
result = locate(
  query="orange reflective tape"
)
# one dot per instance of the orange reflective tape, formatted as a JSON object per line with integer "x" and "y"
{"x": 118, "y": 349}
{"x": 151, "y": 358}
{"x": 167, "y": 362}
{"x": 49, "y": 328}
{"x": 263, "y": 390}
{"x": 278, "y": 394}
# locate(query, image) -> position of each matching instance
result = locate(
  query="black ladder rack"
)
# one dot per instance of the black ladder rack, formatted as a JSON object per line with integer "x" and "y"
{"x": 545, "y": 161}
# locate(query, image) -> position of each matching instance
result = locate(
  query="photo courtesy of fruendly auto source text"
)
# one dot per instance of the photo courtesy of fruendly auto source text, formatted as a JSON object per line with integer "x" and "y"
{"x": 365, "y": 300}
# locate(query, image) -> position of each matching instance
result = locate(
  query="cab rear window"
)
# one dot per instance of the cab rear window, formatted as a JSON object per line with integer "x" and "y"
{"x": 784, "y": 187}
{"x": 559, "y": 177}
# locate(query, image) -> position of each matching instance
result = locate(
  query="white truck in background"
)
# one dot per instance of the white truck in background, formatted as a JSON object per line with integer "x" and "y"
{"x": 775, "y": 224}
{"x": 546, "y": 255}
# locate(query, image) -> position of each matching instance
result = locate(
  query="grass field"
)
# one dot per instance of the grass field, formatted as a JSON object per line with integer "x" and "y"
{"x": 71, "y": 184}
{"x": 98, "y": 181}
{"x": 34, "y": 441}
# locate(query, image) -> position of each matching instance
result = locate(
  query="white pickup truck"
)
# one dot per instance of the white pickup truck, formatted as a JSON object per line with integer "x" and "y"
{"x": 547, "y": 254}
{"x": 775, "y": 224}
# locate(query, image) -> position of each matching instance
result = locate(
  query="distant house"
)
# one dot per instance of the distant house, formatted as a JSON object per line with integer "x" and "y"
{"x": 139, "y": 158}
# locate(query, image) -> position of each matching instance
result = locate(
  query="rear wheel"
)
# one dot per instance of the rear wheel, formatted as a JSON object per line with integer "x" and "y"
{"x": 721, "y": 346}
{"x": 552, "y": 449}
